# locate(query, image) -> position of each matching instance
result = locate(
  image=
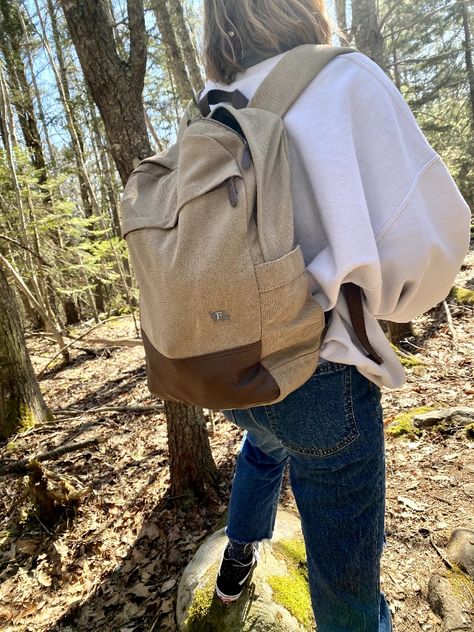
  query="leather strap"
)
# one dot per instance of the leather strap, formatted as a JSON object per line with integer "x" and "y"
{"x": 353, "y": 295}
{"x": 213, "y": 97}
{"x": 292, "y": 74}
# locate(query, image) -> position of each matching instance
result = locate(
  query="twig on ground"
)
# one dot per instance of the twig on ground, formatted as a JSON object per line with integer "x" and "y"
{"x": 154, "y": 623}
{"x": 441, "y": 554}
{"x": 109, "y": 409}
{"x": 120, "y": 342}
{"x": 444, "y": 500}
{"x": 44, "y": 526}
{"x": 450, "y": 321}
{"x": 21, "y": 466}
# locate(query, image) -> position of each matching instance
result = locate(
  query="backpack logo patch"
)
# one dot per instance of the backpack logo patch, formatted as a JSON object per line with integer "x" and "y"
{"x": 218, "y": 316}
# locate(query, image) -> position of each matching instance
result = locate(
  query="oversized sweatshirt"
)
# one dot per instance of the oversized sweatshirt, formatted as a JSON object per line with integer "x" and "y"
{"x": 374, "y": 205}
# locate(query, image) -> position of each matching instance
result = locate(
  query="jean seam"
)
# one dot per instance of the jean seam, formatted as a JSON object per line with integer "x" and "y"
{"x": 353, "y": 432}
{"x": 252, "y": 417}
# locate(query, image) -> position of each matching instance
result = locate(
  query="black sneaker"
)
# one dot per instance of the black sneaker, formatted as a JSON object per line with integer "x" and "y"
{"x": 234, "y": 575}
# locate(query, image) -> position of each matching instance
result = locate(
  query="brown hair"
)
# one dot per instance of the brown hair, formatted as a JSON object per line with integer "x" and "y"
{"x": 238, "y": 33}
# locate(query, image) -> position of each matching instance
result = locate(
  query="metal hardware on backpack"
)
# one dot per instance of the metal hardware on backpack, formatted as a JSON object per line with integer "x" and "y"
{"x": 228, "y": 320}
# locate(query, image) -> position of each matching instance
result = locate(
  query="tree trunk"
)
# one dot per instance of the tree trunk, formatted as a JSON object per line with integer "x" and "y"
{"x": 10, "y": 45}
{"x": 192, "y": 469}
{"x": 77, "y": 140}
{"x": 366, "y": 30}
{"x": 116, "y": 84}
{"x": 188, "y": 51}
{"x": 173, "y": 52}
{"x": 341, "y": 14}
{"x": 469, "y": 63}
{"x": 21, "y": 402}
{"x": 398, "y": 331}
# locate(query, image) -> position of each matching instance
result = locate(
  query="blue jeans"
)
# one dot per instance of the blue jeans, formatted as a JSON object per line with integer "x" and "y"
{"x": 331, "y": 431}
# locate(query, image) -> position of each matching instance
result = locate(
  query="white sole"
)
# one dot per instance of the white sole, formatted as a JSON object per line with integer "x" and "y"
{"x": 227, "y": 598}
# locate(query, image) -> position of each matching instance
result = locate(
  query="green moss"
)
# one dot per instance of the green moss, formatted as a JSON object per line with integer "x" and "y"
{"x": 408, "y": 360}
{"x": 470, "y": 431}
{"x": 462, "y": 295}
{"x": 11, "y": 447}
{"x": 201, "y": 604}
{"x": 292, "y": 590}
{"x": 17, "y": 419}
{"x": 462, "y": 584}
{"x": 403, "y": 423}
{"x": 294, "y": 549}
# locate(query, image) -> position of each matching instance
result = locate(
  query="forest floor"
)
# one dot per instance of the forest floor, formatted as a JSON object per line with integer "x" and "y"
{"x": 115, "y": 565}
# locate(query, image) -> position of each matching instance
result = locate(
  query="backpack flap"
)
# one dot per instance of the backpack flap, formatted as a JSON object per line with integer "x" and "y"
{"x": 149, "y": 199}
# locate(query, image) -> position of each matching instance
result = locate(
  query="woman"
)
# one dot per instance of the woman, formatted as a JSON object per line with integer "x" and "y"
{"x": 374, "y": 206}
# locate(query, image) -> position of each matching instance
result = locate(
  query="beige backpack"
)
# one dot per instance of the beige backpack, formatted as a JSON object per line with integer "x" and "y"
{"x": 228, "y": 320}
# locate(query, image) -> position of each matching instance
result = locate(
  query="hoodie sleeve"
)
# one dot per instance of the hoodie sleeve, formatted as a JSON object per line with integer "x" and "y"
{"x": 394, "y": 220}
{"x": 422, "y": 247}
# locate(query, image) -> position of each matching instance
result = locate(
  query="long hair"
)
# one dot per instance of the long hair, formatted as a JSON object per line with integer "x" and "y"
{"x": 239, "y": 31}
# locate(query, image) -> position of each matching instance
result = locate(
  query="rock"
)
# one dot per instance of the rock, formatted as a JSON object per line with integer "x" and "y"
{"x": 449, "y": 417}
{"x": 461, "y": 549}
{"x": 276, "y": 600}
{"x": 450, "y": 598}
{"x": 468, "y": 489}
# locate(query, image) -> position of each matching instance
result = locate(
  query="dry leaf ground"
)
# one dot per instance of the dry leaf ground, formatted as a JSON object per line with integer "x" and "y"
{"x": 115, "y": 566}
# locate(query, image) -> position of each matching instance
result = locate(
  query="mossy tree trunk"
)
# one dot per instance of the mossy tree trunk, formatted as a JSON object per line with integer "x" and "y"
{"x": 21, "y": 402}
{"x": 192, "y": 468}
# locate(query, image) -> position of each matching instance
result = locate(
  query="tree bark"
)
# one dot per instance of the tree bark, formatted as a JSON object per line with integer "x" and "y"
{"x": 468, "y": 54}
{"x": 21, "y": 402}
{"x": 10, "y": 45}
{"x": 192, "y": 469}
{"x": 366, "y": 30}
{"x": 341, "y": 15}
{"x": 398, "y": 331}
{"x": 189, "y": 52}
{"x": 116, "y": 84}
{"x": 173, "y": 52}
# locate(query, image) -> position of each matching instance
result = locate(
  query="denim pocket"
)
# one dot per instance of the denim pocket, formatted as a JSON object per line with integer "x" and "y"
{"x": 318, "y": 418}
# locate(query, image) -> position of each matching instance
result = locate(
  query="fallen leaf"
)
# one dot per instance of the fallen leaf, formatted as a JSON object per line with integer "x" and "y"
{"x": 140, "y": 590}
{"x": 410, "y": 503}
{"x": 168, "y": 585}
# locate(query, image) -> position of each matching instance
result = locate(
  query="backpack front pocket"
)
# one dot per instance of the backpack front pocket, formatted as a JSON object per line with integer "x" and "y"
{"x": 292, "y": 321}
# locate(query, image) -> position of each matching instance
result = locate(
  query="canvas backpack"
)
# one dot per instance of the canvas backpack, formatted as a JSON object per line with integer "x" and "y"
{"x": 227, "y": 316}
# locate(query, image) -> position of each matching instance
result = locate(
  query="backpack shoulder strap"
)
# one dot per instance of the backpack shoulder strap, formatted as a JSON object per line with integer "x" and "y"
{"x": 292, "y": 74}
{"x": 277, "y": 93}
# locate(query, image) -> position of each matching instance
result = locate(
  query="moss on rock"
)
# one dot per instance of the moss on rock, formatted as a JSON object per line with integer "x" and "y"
{"x": 292, "y": 590}
{"x": 403, "y": 423}
{"x": 201, "y": 605}
{"x": 408, "y": 360}
{"x": 462, "y": 295}
{"x": 462, "y": 584}
{"x": 284, "y": 571}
